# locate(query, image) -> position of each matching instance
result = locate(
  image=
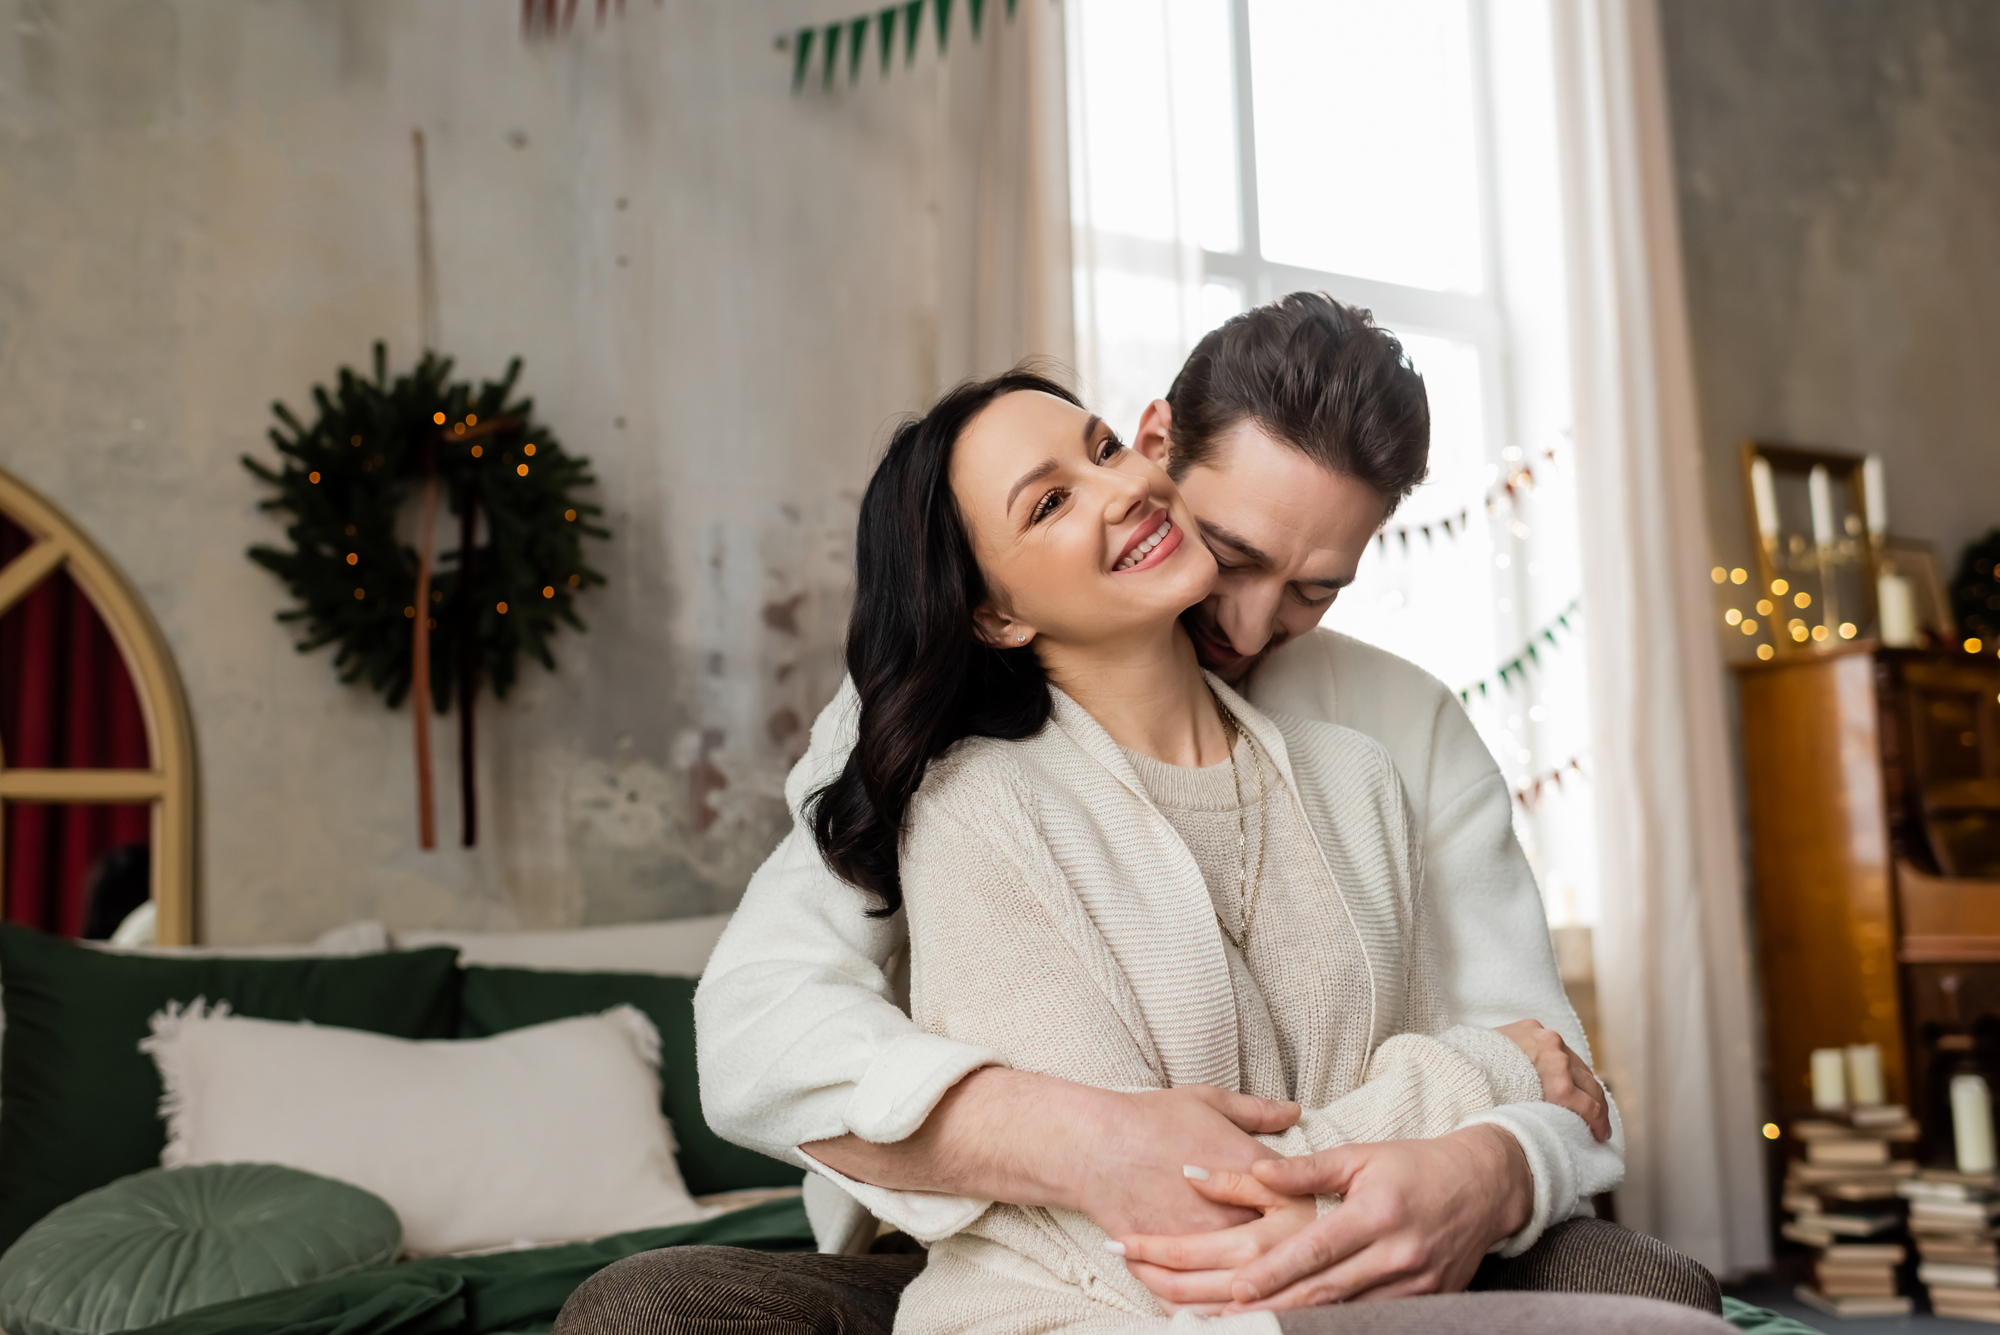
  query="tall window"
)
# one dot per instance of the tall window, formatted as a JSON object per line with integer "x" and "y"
{"x": 1403, "y": 158}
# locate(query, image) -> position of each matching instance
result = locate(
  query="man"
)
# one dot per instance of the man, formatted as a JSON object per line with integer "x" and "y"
{"x": 1274, "y": 430}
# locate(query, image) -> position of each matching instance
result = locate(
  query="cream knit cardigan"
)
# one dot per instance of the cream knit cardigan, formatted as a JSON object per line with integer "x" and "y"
{"x": 1057, "y": 919}
{"x": 803, "y": 1031}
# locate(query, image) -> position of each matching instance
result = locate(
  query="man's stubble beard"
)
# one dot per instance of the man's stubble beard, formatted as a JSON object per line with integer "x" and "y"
{"x": 1203, "y": 631}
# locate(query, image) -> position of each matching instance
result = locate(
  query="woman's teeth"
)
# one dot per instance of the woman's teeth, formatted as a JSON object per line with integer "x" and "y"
{"x": 1145, "y": 548}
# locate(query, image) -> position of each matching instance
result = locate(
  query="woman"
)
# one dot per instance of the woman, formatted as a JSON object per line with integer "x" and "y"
{"x": 1115, "y": 870}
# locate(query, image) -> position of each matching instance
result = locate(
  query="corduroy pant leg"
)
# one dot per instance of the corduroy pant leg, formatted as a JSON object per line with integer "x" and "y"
{"x": 733, "y": 1291}
{"x": 1505, "y": 1314}
{"x": 1597, "y": 1256}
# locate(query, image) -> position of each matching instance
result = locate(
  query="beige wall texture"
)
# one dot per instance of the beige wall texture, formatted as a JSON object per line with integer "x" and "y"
{"x": 1839, "y": 172}
{"x": 724, "y": 294}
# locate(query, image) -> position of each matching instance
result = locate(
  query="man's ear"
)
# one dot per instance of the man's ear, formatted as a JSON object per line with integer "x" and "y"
{"x": 998, "y": 629}
{"x": 1155, "y": 438}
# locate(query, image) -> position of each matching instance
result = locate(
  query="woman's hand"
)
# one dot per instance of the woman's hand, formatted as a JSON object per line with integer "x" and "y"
{"x": 1566, "y": 1081}
{"x": 1196, "y": 1271}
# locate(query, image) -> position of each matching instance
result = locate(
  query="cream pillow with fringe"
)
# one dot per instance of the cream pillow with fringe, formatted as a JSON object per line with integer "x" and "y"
{"x": 547, "y": 1134}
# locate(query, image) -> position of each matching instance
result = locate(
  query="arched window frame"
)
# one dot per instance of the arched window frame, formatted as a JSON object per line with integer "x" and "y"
{"x": 169, "y": 786}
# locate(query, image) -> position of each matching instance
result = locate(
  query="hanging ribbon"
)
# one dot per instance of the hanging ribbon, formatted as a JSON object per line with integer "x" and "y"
{"x": 1529, "y": 792}
{"x": 1516, "y": 668}
{"x": 827, "y": 39}
{"x": 548, "y": 18}
{"x": 420, "y": 659}
{"x": 1522, "y": 479}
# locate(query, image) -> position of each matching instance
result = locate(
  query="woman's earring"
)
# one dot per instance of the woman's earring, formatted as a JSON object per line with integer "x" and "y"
{"x": 1021, "y": 638}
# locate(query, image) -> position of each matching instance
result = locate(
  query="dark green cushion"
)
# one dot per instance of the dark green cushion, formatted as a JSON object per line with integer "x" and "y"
{"x": 79, "y": 1103}
{"x": 496, "y": 1000}
{"x": 166, "y": 1241}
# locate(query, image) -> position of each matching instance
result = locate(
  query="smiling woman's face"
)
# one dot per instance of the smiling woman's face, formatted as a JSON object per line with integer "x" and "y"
{"x": 1081, "y": 540}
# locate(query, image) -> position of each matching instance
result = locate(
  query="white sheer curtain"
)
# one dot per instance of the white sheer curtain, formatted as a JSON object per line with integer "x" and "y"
{"x": 1003, "y": 197}
{"x": 1678, "y": 1020}
{"x": 1152, "y": 180}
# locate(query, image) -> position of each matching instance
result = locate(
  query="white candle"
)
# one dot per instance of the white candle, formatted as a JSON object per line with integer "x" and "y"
{"x": 1864, "y": 1073}
{"x": 1819, "y": 487}
{"x": 1765, "y": 497}
{"x": 1873, "y": 499}
{"x": 1829, "y": 1078}
{"x": 1896, "y": 602}
{"x": 1972, "y": 1123}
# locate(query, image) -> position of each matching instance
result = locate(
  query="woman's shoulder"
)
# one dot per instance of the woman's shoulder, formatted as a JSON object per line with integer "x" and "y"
{"x": 978, "y": 800}
{"x": 977, "y": 776}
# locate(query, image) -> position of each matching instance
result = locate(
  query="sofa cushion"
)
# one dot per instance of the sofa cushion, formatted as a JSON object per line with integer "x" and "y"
{"x": 162, "y": 1242}
{"x": 497, "y": 1000}
{"x": 546, "y": 1134}
{"x": 79, "y": 1103}
{"x": 678, "y": 946}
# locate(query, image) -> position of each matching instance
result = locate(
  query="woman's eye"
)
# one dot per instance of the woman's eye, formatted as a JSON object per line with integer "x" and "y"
{"x": 1108, "y": 448}
{"x": 1046, "y": 506}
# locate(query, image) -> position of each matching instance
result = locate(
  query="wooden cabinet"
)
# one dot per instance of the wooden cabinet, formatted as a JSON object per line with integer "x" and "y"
{"x": 1860, "y": 939}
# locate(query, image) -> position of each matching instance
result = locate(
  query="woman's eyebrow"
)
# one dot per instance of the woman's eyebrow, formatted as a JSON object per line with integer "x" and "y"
{"x": 1035, "y": 474}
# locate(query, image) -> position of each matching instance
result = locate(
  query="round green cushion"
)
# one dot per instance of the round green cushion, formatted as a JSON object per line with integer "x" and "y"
{"x": 168, "y": 1240}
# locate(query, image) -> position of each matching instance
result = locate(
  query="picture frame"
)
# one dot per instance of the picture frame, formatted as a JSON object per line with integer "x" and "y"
{"x": 1916, "y": 561}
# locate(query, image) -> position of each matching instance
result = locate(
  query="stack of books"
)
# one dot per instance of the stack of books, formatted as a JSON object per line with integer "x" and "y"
{"x": 1845, "y": 1201}
{"x": 1952, "y": 1223}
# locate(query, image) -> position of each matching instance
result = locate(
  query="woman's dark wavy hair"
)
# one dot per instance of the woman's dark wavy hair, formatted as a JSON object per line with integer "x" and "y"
{"x": 925, "y": 677}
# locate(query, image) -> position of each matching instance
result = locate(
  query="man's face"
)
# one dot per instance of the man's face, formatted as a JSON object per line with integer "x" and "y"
{"x": 1287, "y": 535}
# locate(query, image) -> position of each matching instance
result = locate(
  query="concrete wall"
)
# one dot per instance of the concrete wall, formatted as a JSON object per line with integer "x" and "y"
{"x": 723, "y": 293}
{"x": 1840, "y": 205}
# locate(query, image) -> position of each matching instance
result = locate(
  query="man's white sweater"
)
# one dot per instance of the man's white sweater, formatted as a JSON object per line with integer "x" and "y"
{"x": 800, "y": 1035}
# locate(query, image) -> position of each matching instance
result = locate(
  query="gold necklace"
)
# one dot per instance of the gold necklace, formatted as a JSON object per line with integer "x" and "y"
{"x": 1251, "y": 883}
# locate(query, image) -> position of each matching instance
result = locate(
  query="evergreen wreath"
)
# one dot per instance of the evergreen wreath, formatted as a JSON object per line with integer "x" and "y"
{"x": 1975, "y": 591}
{"x": 343, "y": 480}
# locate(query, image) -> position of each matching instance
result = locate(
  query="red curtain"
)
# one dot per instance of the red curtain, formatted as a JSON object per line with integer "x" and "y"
{"x": 66, "y": 702}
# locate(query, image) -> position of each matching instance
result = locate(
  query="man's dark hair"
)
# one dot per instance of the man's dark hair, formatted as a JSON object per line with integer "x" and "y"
{"x": 1317, "y": 375}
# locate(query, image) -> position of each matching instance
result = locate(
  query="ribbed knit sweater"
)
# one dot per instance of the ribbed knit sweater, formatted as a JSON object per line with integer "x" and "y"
{"x": 1266, "y": 843}
{"x": 1059, "y": 918}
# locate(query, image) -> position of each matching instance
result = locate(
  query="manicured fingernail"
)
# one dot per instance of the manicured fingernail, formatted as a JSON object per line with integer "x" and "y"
{"x": 1246, "y": 1294}
{"x": 1198, "y": 1174}
{"x": 1115, "y": 1247}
